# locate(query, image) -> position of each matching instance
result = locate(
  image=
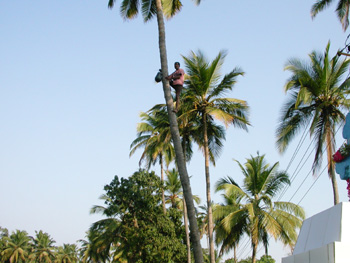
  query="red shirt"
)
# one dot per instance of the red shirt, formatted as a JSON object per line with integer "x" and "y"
{"x": 180, "y": 81}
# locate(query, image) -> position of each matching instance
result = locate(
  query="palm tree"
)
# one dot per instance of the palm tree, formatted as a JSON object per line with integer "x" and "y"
{"x": 99, "y": 209}
{"x": 4, "y": 234}
{"x": 155, "y": 138}
{"x": 202, "y": 217}
{"x": 17, "y": 247}
{"x": 107, "y": 239}
{"x": 175, "y": 197}
{"x": 204, "y": 98}
{"x": 342, "y": 10}
{"x": 206, "y": 254}
{"x": 93, "y": 249}
{"x": 189, "y": 129}
{"x": 43, "y": 249}
{"x": 229, "y": 239}
{"x": 173, "y": 188}
{"x": 317, "y": 96}
{"x": 150, "y": 8}
{"x": 103, "y": 237}
{"x": 68, "y": 253}
{"x": 256, "y": 212}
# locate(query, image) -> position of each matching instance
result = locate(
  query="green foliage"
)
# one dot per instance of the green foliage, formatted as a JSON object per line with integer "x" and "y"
{"x": 16, "y": 247}
{"x": 317, "y": 100}
{"x": 205, "y": 101}
{"x": 135, "y": 222}
{"x": 68, "y": 253}
{"x": 266, "y": 259}
{"x": 43, "y": 251}
{"x": 247, "y": 260}
{"x": 206, "y": 256}
{"x": 251, "y": 208}
{"x": 93, "y": 249}
{"x": 173, "y": 189}
{"x": 131, "y": 8}
{"x": 153, "y": 134}
{"x": 4, "y": 233}
{"x": 19, "y": 247}
{"x": 342, "y": 10}
{"x": 143, "y": 226}
{"x": 263, "y": 259}
{"x": 133, "y": 196}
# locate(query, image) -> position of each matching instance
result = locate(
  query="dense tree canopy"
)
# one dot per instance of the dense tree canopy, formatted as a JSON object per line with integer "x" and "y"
{"x": 263, "y": 259}
{"x": 144, "y": 227}
{"x": 19, "y": 247}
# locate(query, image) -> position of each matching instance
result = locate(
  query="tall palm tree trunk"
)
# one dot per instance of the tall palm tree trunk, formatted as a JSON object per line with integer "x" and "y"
{"x": 331, "y": 168}
{"x": 188, "y": 243}
{"x": 180, "y": 160}
{"x": 207, "y": 180}
{"x": 255, "y": 248}
{"x": 235, "y": 253}
{"x": 162, "y": 178}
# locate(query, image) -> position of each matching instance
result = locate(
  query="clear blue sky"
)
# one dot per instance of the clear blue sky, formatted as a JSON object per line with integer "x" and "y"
{"x": 74, "y": 77}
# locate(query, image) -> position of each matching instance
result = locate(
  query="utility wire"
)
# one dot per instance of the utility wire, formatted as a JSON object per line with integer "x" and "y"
{"x": 298, "y": 147}
{"x": 301, "y": 141}
{"x": 296, "y": 172}
{"x": 318, "y": 177}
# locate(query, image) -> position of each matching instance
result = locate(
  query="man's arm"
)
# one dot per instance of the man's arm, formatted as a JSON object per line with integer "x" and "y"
{"x": 169, "y": 77}
{"x": 177, "y": 74}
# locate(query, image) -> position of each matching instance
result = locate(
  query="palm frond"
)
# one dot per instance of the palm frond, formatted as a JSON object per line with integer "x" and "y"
{"x": 275, "y": 183}
{"x": 171, "y": 7}
{"x": 292, "y": 120}
{"x": 343, "y": 13}
{"x": 319, "y": 6}
{"x": 226, "y": 83}
{"x": 223, "y": 181}
{"x": 129, "y": 9}
{"x": 291, "y": 208}
{"x": 149, "y": 9}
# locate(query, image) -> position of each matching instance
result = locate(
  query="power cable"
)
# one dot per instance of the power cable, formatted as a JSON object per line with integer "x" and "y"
{"x": 307, "y": 176}
{"x": 296, "y": 173}
{"x": 318, "y": 177}
{"x": 301, "y": 141}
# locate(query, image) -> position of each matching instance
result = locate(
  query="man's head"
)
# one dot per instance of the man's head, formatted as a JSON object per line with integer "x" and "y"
{"x": 177, "y": 65}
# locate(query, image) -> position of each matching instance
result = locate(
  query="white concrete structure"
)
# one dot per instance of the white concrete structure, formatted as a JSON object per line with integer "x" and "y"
{"x": 324, "y": 237}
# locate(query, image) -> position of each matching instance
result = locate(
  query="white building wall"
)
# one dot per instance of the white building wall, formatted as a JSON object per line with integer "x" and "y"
{"x": 324, "y": 237}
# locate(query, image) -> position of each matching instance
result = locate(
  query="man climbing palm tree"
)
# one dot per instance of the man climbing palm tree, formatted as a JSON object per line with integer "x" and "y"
{"x": 129, "y": 9}
{"x": 176, "y": 82}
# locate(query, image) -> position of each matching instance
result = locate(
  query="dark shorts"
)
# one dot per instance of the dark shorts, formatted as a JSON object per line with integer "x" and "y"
{"x": 178, "y": 88}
